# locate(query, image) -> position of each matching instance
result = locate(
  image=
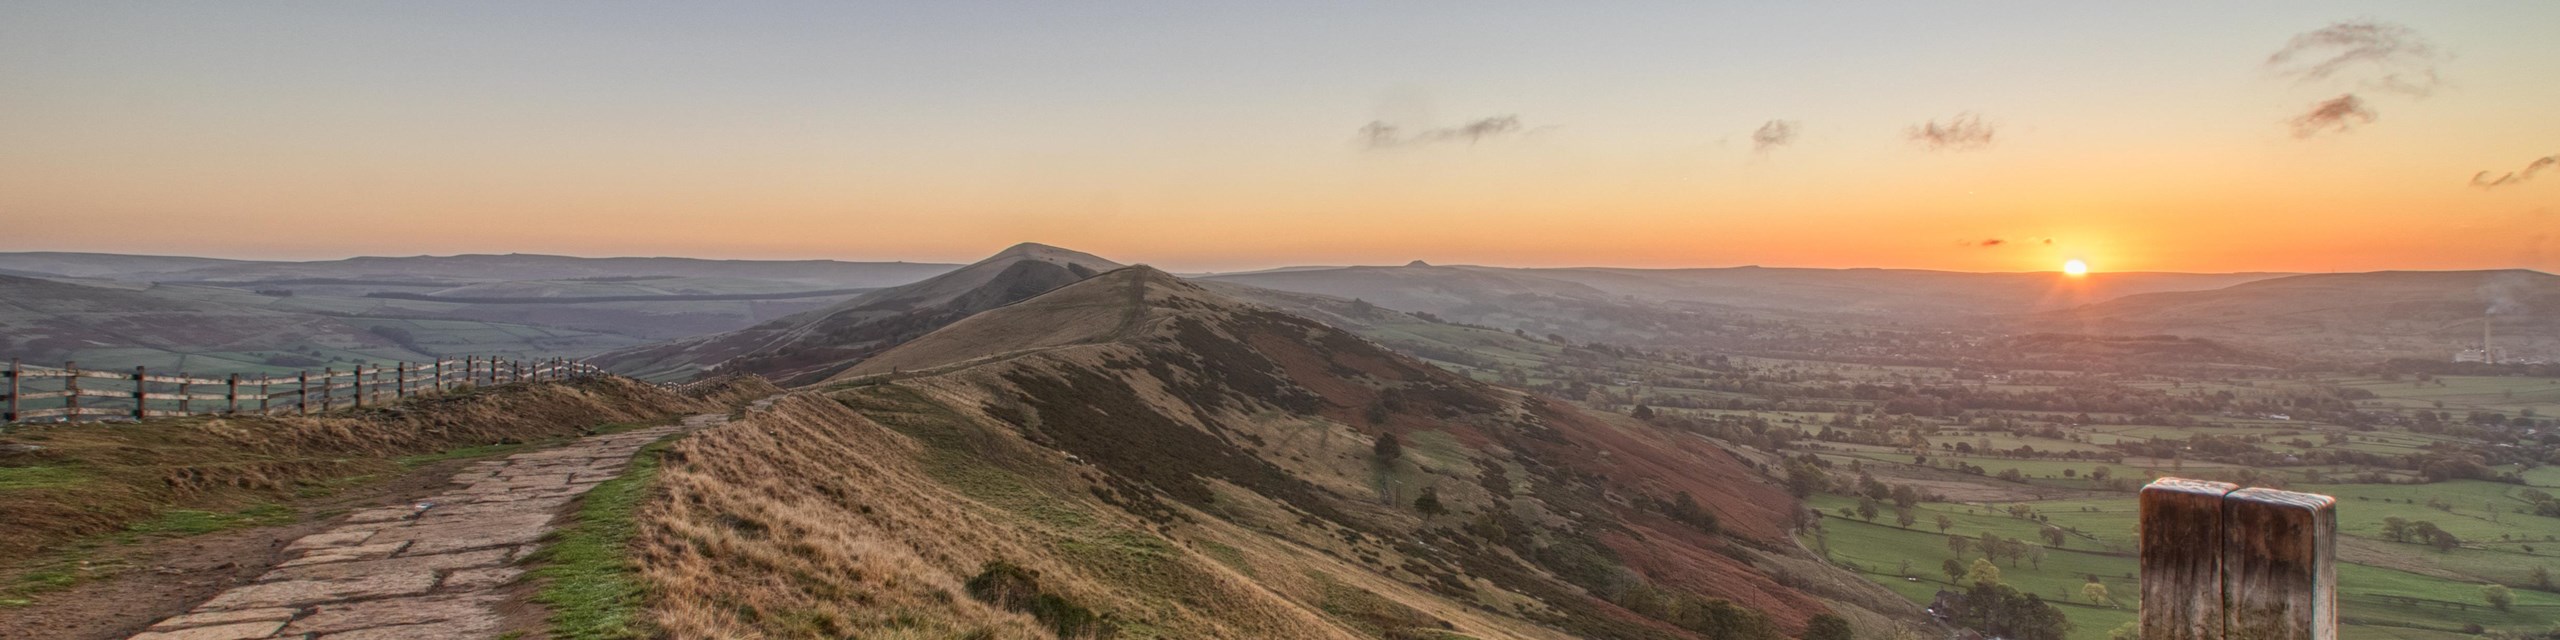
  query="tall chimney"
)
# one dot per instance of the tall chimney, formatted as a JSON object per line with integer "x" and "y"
{"x": 2487, "y": 352}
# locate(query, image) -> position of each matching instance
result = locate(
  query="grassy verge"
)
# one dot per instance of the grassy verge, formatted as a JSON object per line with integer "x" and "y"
{"x": 589, "y": 584}
{"x": 82, "y": 560}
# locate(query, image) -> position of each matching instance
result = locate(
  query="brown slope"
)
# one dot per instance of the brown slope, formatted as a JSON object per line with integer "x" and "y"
{"x": 811, "y": 346}
{"x": 1139, "y": 408}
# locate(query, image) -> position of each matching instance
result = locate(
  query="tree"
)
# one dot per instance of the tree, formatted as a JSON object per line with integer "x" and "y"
{"x": 1906, "y": 570}
{"x": 2001, "y": 611}
{"x": 2096, "y": 592}
{"x": 2035, "y": 556}
{"x": 1982, "y": 573}
{"x": 1827, "y": 627}
{"x": 1959, "y": 545}
{"x": 1389, "y": 448}
{"x": 1803, "y": 479}
{"x": 1429, "y": 503}
{"x": 1641, "y": 412}
{"x": 2053, "y": 537}
{"x": 1945, "y": 523}
{"x": 2395, "y": 529}
{"x": 1867, "y": 509}
{"x": 2541, "y": 579}
{"x": 1903, "y": 516}
{"x": 1953, "y": 569}
{"x": 2497, "y": 596}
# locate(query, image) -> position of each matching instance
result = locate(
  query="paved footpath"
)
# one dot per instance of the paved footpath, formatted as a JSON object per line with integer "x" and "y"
{"x": 425, "y": 571}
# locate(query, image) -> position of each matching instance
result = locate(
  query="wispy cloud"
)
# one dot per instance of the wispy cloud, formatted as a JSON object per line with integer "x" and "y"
{"x": 1777, "y": 133}
{"x": 1965, "y": 132}
{"x": 2334, "y": 115}
{"x": 2482, "y": 179}
{"x": 2376, "y": 55}
{"x": 1381, "y": 135}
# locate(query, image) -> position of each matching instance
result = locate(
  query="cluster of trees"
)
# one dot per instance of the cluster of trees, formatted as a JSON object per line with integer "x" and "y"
{"x": 2423, "y": 532}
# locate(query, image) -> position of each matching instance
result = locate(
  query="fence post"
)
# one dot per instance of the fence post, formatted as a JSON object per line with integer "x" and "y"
{"x": 357, "y": 379}
{"x": 263, "y": 396}
{"x": 184, "y": 392}
{"x": 2181, "y": 547}
{"x": 400, "y": 381}
{"x": 139, "y": 386}
{"x": 13, "y": 392}
{"x": 71, "y": 390}
{"x": 231, "y": 394}
{"x": 2279, "y": 566}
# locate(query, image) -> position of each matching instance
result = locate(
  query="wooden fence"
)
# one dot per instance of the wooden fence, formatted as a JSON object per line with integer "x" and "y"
{"x": 2224, "y": 563}
{"x": 78, "y": 394}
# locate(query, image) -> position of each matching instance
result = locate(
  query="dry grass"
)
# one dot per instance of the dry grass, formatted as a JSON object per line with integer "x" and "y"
{"x": 105, "y": 477}
{"x": 813, "y": 520}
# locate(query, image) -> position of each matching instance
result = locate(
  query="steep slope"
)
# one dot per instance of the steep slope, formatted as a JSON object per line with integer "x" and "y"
{"x": 1135, "y": 453}
{"x": 810, "y": 346}
{"x": 2413, "y": 313}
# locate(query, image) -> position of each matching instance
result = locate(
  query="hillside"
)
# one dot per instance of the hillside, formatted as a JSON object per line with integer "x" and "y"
{"x": 1489, "y": 294}
{"x": 460, "y": 269}
{"x": 813, "y": 345}
{"x": 1133, "y": 453}
{"x": 2427, "y": 314}
{"x": 181, "y": 328}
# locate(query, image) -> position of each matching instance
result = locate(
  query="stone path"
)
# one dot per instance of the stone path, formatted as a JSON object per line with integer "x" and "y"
{"x": 424, "y": 571}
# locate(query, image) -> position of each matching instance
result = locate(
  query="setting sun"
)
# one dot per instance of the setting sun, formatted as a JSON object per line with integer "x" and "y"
{"x": 2075, "y": 267}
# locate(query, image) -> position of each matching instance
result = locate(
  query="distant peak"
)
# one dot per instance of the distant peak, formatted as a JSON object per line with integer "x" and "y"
{"x": 1030, "y": 249}
{"x": 1417, "y": 263}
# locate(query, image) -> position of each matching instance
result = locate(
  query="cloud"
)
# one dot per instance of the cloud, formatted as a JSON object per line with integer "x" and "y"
{"x": 2377, "y": 55}
{"x": 1380, "y": 135}
{"x": 1992, "y": 242}
{"x": 1966, "y": 132}
{"x": 1777, "y": 133}
{"x": 2482, "y": 179}
{"x": 2339, "y": 115}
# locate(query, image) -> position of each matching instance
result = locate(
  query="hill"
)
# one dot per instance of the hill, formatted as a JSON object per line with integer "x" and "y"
{"x": 2427, "y": 314}
{"x": 89, "y": 265}
{"x": 1507, "y": 296}
{"x": 813, "y": 345}
{"x": 171, "y": 327}
{"x": 1134, "y": 453}
{"x": 470, "y": 268}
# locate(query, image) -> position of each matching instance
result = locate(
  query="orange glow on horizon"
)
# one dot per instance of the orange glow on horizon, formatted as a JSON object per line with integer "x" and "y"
{"x": 2075, "y": 267}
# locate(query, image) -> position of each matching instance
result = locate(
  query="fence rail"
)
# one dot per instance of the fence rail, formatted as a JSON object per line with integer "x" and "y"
{"x": 141, "y": 393}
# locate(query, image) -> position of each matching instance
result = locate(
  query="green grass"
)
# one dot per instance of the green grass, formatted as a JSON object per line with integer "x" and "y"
{"x": 2376, "y": 603}
{"x": 17, "y": 478}
{"x": 590, "y": 585}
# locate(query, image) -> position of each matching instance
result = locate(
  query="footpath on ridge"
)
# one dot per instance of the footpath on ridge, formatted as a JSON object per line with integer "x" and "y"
{"x": 424, "y": 571}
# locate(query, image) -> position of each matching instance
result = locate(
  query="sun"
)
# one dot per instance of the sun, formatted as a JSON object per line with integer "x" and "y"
{"x": 2075, "y": 268}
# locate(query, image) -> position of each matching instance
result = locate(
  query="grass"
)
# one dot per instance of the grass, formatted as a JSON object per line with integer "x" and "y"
{"x": 593, "y": 590}
{"x": 189, "y": 522}
{"x": 45, "y": 477}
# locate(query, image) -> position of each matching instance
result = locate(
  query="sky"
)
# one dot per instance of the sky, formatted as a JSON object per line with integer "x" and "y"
{"x": 2158, "y": 136}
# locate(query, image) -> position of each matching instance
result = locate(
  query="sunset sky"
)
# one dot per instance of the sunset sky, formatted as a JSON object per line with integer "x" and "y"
{"x": 2140, "y": 136}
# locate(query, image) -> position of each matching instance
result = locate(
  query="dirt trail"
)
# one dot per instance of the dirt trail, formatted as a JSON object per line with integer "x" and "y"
{"x": 424, "y": 571}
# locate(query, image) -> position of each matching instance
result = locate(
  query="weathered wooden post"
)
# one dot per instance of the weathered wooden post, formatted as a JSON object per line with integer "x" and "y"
{"x": 231, "y": 394}
{"x": 302, "y": 394}
{"x": 71, "y": 390}
{"x": 13, "y": 392}
{"x": 2279, "y": 565}
{"x": 141, "y": 389}
{"x": 2181, "y": 546}
{"x": 357, "y": 379}
{"x": 328, "y": 389}
{"x": 185, "y": 392}
{"x": 2224, "y": 563}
